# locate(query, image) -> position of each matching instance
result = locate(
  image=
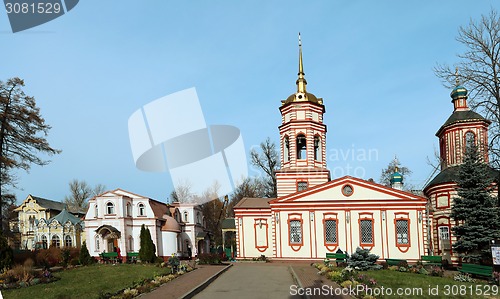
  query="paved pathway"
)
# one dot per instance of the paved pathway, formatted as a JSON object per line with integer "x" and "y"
{"x": 248, "y": 280}
{"x": 180, "y": 286}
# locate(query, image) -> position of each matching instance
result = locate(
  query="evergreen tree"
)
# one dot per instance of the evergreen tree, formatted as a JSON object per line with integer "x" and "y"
{"x": 147, "y": 252}
{"x": 475, "y": 210}
{"x": 85, "y": 258}
{"x": 6, "y": 255}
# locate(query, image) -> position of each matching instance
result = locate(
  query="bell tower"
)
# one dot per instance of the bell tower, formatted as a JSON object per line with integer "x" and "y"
{"x": 462, "y": 129}
{"x": 302, "y": 139}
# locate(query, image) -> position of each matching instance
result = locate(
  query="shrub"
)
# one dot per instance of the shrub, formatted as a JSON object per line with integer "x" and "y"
{"x": 393, "y": 268}
{"x": 463, "y": 277}
{"x": 363, "y": 260}
{"x": 50, "y": 257}
{"x": 423, "y": 271}
{"x": 173, "y": 262}
{"x": 209, "y": 258}
{"x": 84, "y": 256}
{"x": 496, "y": 278}
{"x": 335, "y": 276}
{"x": 437, "y": 271}
{"x": 65, "y": 256}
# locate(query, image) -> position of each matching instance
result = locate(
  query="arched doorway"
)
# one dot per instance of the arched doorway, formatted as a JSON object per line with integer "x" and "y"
{"x": 110, "y": 235}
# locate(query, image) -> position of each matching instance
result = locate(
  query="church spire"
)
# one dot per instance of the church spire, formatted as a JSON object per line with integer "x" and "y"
{"x": 301, "y": 81}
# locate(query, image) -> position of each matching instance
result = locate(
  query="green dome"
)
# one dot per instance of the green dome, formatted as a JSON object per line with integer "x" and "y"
{"x": 458, "y": 91}
{"x": 396, "y": 177}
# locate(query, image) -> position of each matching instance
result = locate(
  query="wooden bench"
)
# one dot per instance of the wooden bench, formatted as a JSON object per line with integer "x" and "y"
{"x": 339, "y": 257}
{"x": 477, "y": 269}
{"x": 435, "y": 260}
{"x": 395, "y": 262}
{"x": 132, "y": 257}
{"x": 109, "y": 257}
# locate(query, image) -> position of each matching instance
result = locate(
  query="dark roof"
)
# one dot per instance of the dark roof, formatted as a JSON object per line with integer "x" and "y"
{"x": 49, "y": 204}
{"x": 254, "y": 203}
{"x": 228, "y": 223}
{"x": 450, "y": 175}
{"x": 463, "y": 116}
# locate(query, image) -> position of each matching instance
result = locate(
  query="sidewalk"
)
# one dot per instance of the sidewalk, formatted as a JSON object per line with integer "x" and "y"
{"x": 182, "y": 286}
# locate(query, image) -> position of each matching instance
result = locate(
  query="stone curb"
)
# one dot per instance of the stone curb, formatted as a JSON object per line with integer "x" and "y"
{"x": 299, "y": 283}
{"x": 204, "y": 284}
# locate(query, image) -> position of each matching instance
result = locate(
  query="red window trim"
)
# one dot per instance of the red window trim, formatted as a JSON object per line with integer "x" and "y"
{"x": 257, "y": 222}
{"x": 402, "y": 216}
{"x": 366, "y": 216}
{"x": 332, "y": 217}
{"x": 291, "y": 217}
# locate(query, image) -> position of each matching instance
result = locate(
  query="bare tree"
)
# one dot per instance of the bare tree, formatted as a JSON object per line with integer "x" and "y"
{"x": 182, "y": 193}
{"x": 478, "y": 70}
{"x": 23, "y": 134}
{"x": 267, "y": 161}
{"x": 385, "y": 177}
{"x": 250, "y": 187}
{"x": 80, "y": 192}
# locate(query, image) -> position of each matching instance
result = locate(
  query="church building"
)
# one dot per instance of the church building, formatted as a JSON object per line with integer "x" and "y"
{"x": 314, "y": 215}
{"x": 463, "y": 129}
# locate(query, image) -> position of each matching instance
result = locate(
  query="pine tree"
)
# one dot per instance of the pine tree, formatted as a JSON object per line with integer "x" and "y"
{"x": 147, "y": 250}
{"x": 85, "y": 258}
{"x": 475, "y": 210}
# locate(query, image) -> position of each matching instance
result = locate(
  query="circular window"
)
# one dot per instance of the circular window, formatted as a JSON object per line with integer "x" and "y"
{"x": 347, "y": 190}
{"x": 300, "y": 96}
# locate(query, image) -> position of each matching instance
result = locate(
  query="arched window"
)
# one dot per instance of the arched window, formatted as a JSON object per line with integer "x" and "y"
{"x": 198, "y": 218}
{"x": 67, "y": 241}
{"x": 44, "y": 242}
{"x": 286, "y": 154}
{"x": 470, "y": 140}
{"x": 56, "y": 242}
{"x": 130, "y": 243}
{"x": 142, "y": 209}
{"x": 96, "y": 210}
{"x": 185, "y": 216}
{"x": 301, "y": 147}
{"x": 129, "y": 209}
{"x": 110, "y": 208}
{"x": 317, "y": 148}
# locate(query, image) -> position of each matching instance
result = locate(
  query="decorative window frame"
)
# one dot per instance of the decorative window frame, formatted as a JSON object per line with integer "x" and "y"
{"x": 405, "y": 216}
{"x": 141, "y": 210}
{"x": 66, "y": 238}
{"x": 317, "y": 149}
{"x": 331, "y": 217}
{"x": 107, "y": 208}
{"x": 261, "y": 222}
{"x": 295, "y": 217}
{"x": 97, "y": 243}
{"x": 298, "y": 151}
{"x": 475, "y": 141}
{"x": 128, "y": 209}
{"x": 286, "y": 149}
{"x": 302, "y": 181}
{"x": 362, "y": 217}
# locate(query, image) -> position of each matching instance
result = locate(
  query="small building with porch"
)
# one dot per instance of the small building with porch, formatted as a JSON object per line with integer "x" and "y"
{"x": 114, "y": 219}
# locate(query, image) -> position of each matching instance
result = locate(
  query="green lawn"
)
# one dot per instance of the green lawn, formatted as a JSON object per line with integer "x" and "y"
{"x": 445, "y": 287}
{"x": 89, "y": 282}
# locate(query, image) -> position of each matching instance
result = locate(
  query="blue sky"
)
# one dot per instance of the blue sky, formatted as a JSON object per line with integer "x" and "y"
{"x": 371, "y": 61}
